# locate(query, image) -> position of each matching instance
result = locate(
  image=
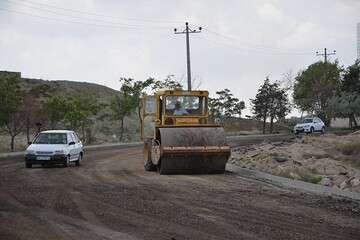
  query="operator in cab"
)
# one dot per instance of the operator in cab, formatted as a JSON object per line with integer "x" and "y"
{"x": 179, "y": 110}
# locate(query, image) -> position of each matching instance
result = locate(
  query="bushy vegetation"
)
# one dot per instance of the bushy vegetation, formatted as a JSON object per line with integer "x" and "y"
{"x": 311, "y": 177}
{"x": 346, "y": 102}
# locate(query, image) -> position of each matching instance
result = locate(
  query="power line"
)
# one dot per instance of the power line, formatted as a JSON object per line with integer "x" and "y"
{"x": 76, "y": 17}
{"x": 254, "y": 50}
{"x": 188, "y": 31}
{"x": 99, "y": 15}
{"x": 255, "y": 46}
{"x": 71, "y": 21}
{"x": 80, "y": 17}
{"x": 57, "y": 19}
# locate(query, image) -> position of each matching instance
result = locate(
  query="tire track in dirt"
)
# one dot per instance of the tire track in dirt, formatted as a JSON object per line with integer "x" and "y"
{"x": 111, "y": 197}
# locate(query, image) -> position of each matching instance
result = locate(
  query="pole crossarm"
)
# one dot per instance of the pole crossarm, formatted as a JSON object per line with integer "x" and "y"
{"x": 188, "y": 31}
{"x": 325, "y": 54}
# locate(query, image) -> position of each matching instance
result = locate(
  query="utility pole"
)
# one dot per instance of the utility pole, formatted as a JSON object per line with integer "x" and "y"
{"x": 325, "y": 54}
{"x": 187, "y": 31}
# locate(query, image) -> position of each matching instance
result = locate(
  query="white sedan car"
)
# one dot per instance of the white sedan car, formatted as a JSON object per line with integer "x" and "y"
{"x": 310, "y": 125}
{"x": 54, "y": 147}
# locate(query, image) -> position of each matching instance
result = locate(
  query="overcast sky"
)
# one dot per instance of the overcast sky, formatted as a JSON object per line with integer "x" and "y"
{"x": 242, "y": 41}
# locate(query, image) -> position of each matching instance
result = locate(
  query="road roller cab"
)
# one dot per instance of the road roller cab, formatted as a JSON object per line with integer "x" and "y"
{"x": 177, "y": 136}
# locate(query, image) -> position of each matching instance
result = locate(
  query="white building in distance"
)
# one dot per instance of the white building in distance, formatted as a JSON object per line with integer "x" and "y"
{"x": 358, "y": 41}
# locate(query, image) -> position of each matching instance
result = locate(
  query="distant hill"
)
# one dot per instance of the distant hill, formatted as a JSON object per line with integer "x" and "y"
{"x": 70, "y": 88}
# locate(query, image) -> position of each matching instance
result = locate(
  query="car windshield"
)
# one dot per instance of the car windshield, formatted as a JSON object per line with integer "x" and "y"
{"x": 51, "y": 138}
{"x": 307, "y": 120}
{"x": 185, "y": 105}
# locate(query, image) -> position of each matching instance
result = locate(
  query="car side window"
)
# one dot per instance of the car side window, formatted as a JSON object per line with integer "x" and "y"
{"x": 77, "y": 140}
{"x": 71, "y": 138}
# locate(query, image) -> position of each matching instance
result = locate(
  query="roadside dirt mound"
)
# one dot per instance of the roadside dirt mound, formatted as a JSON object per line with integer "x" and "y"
{"x": 328, "y": 160}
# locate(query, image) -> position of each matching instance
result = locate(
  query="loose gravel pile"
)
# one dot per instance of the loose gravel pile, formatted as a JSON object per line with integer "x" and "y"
{"x": 328, "y": 160}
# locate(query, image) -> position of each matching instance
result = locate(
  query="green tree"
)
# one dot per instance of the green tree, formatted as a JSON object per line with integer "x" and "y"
{"x": 272, "y": 102}
{"x": 238, "y": 108}
{"x": 79, "y": 113}
{"x": 225, "y": 105}
{"x": 55, "y": 108}
{"x": 351, "y": 78}
{"x": 33, "y": 113}
{"x": 127, "y": 101}
{"x": 214, "y": 108}
{"x": 11, "y": 106}
{"x": 169, "y": 83}
{"x": 346, "y": 104}
{"x": 279, "y": 104}
{"x": 315, "y": 86}
{"x": 261, "y": 104}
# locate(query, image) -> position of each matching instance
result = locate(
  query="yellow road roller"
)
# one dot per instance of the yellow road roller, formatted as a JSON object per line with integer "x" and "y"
{"x": 177, "y": 136}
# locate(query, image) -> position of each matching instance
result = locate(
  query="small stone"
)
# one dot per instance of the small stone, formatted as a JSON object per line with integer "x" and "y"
{"x": 280, "y": 159}
{"x": 325, "y": 181}
{"x": 343, "y": 171}
{"x": 254, "y": 155}
{"x": 339, "y": 179}
{"x": 355, "y": 182}
{"x": 294, "y": 175}
{"x": 297, "y": 163}
{"x": 343, "y": 185}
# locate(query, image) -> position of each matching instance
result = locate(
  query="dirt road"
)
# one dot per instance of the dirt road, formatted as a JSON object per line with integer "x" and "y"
{"x": 111, "y": 197}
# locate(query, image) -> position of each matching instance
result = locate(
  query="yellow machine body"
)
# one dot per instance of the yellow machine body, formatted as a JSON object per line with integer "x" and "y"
{"x": 177, "y": 136}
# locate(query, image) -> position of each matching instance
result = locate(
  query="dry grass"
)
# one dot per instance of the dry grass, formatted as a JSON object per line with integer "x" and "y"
{"x": 350, "y": 148}
{"x": 20, "y": 143}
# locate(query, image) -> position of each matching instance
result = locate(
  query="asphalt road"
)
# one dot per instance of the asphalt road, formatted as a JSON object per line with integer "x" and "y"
{"x": 111, "y": 197}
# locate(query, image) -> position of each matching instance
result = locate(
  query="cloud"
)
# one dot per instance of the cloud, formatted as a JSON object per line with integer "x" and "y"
{"x": 269, "y": 12}
{"x": 304, "y": 35}
{"x": 255, "y": 31}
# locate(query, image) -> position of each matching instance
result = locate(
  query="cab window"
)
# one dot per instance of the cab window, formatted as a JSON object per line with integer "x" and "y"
{"x": 185, "y": 105}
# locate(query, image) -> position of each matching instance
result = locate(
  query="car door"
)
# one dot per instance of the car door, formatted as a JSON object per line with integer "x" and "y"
{"x": 78, "y": 144}
{"x": 317, "y": 124}
{"x": 72, "y": 148}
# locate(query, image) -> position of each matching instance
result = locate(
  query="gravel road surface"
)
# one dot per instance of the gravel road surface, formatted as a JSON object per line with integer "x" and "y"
{"x": 111, "y": 197}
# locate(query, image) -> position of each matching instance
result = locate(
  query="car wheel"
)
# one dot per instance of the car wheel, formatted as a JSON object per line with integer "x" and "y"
{"x": 148, "y": 164}
{"x": 77, "y": 162}
{"x": 67, "y": 162}
{"x": 28, "y": 165}
{"x": 323, "y": 130}
{"x": 312, "y": 130}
